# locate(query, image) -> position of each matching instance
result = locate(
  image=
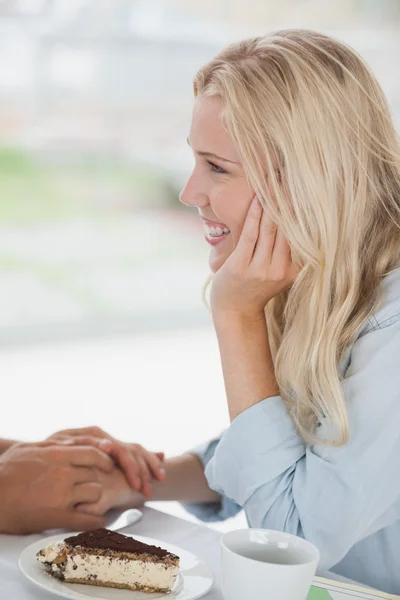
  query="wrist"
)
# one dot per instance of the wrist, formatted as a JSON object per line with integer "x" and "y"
{"x": 241, "y": 321}
{"x": 134, "y": 500}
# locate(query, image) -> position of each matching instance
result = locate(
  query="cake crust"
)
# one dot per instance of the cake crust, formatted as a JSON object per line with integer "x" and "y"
{"x": 121, "y": 586}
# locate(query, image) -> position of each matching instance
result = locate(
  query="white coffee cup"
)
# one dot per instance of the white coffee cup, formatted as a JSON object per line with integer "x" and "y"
{"x": 259, "y": 564}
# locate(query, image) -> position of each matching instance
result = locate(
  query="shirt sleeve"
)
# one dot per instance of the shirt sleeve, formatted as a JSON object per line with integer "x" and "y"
{"x": 211, "y": 511}
{"x": 332, "y": 496}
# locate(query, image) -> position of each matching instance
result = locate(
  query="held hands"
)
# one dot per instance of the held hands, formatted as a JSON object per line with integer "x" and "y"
{"x": 258, "y": 269}
{"x": 71, "y": 480}
{"x": 116, "y": 494}
{"x": 139, "y": 465}
{"x": 43, "y": 483}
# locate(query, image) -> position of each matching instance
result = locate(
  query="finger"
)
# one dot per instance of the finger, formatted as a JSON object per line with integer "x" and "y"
{"x": 53, "y": 439}
{"x": 281, "y": 251}
{"x": 284, "y": 268}
{"x": 85, "y": 475}
{"x": 128, "y": 463}
{"x": 51, "y": 442}
{"x": 267, "y": 238}
{"x": 86, "y": 456}
{"x": 78, "y": 521}
{"x": 65, "y": 433}
{"x": 91, "y": 508}
{"x": 44, "y": 443}
{"x": 86, "y": 492}
{"x": 86, "y": 440}
{"x": 155, "y": 464}
{"x": 249, "y": 236}
{"x": 107, "y": 445}
{"x": 145, "y": 476}
{"x": 160, "y": 455}
{"x": 92, "y": 431}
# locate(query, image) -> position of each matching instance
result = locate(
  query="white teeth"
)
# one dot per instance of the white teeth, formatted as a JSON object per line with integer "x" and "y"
{"x": 216, "y": 231}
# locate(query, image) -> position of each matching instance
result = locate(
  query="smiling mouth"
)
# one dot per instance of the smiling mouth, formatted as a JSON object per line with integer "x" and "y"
{"x": 216, "y": 235}
{"x": 215, "y": 232}
{"x": 214, "y": 229}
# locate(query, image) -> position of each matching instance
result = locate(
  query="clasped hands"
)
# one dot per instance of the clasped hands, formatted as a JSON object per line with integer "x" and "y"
{"x": 71, "y": 479}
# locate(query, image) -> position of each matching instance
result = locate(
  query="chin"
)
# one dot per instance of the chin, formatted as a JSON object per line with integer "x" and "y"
{"x": 216, "y": 262}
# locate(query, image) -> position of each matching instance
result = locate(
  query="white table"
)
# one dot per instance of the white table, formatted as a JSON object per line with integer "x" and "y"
{"x": 198, "y": 539}
{"x": 201, "y": 540}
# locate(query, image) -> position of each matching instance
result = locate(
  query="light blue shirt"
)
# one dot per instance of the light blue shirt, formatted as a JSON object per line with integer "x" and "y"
{"x": 345, "y": 500}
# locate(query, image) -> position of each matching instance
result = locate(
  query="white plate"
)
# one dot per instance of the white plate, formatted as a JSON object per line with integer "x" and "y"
{"x": 194, "y": 581}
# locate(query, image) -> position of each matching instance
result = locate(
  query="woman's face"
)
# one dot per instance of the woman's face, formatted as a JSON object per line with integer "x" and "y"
{"x": 217, "y": 185}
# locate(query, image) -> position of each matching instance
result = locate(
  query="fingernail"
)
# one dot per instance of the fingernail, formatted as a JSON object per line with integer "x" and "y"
{"x": 162, "y": 472}
{"x": 104, "y": 444}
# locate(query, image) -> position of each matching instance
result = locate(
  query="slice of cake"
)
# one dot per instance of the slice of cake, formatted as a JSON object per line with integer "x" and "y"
{"x": 109, "y": 559}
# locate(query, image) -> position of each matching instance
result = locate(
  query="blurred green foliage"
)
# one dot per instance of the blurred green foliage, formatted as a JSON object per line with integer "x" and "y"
{"x": 34, "y": 190}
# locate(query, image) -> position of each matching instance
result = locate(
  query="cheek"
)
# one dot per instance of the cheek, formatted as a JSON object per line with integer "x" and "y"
{"x": 230, "y": 205}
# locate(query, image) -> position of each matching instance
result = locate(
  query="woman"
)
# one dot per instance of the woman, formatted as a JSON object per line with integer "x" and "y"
{"x": 297, "y": 180}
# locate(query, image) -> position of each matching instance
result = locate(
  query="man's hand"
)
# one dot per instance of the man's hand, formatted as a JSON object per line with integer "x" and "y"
{"x": 41, "y": 485}
{"x": 116, "y": 493}
{"x": 139, "y": 465}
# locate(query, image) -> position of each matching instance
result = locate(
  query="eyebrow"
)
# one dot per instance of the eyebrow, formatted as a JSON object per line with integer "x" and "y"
{"x": 212, "y": 155}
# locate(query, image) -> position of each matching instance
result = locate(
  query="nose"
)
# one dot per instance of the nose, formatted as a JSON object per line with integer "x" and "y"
{"x": 192, "y": 195}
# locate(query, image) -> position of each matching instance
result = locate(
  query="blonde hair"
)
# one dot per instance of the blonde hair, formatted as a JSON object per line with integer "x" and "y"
{"x": 314, "y": 132}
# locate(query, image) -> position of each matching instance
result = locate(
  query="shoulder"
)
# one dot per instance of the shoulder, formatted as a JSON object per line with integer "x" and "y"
{"x": 388, "y": 311}
{"x": 381, "y": 332}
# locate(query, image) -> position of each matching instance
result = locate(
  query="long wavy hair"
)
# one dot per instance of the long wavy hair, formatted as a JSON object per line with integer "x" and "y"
{"x": 320, "y": 149}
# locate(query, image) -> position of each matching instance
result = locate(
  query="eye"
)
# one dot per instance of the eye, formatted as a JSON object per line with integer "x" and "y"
{"x": 216, "y": 168}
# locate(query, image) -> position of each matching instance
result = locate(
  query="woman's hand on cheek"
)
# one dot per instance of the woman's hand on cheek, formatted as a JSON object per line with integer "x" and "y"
{"x": 258, "y": 269}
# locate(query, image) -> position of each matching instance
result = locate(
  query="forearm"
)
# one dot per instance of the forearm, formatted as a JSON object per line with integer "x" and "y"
{"x": 6, "y": 444}
{"x": 246, "y": 360}
{"x": 184, "y": 482}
